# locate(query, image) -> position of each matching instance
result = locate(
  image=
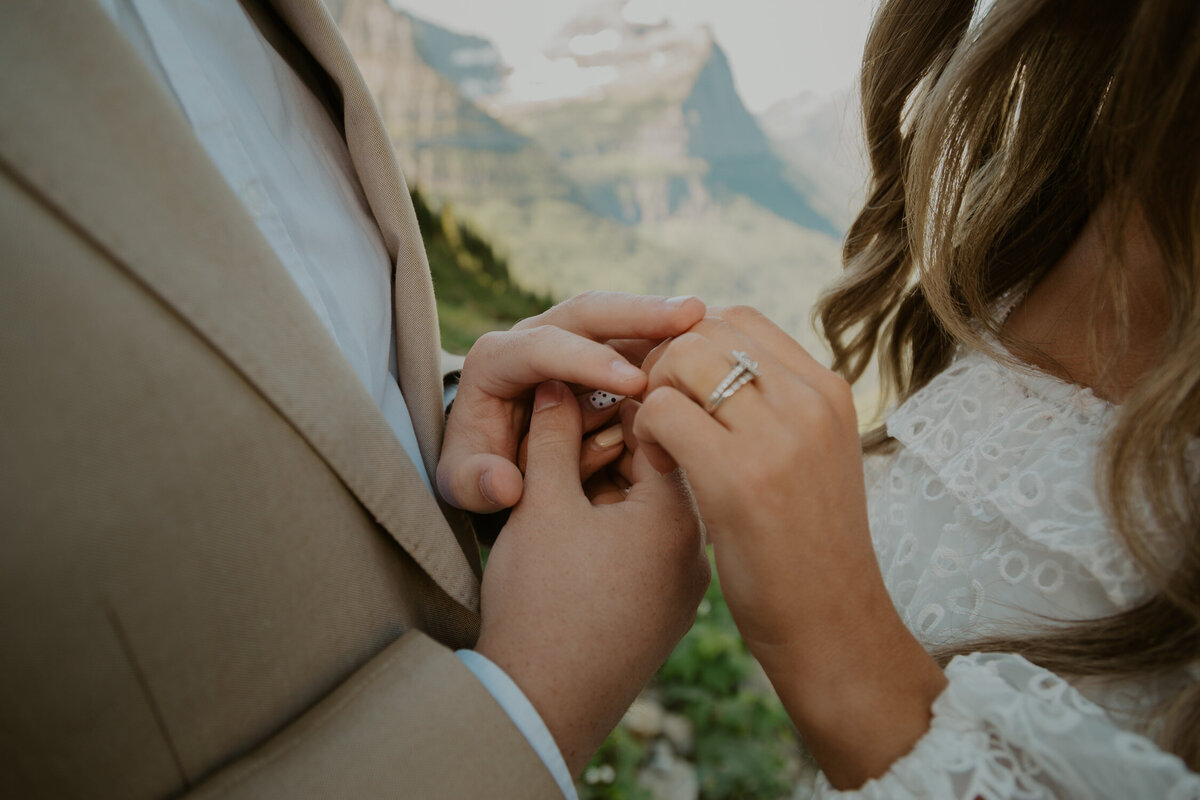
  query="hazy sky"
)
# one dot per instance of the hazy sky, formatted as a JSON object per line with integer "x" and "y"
{"x": 778, "y": 48}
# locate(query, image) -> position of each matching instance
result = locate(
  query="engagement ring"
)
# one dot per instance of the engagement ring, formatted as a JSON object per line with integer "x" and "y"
{"x": 743, "y": 372}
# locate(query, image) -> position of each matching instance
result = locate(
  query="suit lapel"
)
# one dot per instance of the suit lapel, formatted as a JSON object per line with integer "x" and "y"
{"x": 89, "y": 129}
{"x": 417, "y": 340}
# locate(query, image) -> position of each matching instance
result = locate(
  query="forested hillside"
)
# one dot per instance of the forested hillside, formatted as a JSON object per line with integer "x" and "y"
{"x": 475, "y": 292}
{"x": 659, "y": 181}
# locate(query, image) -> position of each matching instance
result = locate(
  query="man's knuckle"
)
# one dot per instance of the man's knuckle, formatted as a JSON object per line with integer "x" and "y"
{"x": 487, "y": 343}
{"x": 587, "y": 296}
{"x": 542, "y": 335}
{"x": 572, "y": 304}
{"x": 531, "y": 322}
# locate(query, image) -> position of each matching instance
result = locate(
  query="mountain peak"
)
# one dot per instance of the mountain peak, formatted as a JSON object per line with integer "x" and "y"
{"x": 652, "y": 177}
{"x": 605, "y": 48}
{"x": 609, "y": 30}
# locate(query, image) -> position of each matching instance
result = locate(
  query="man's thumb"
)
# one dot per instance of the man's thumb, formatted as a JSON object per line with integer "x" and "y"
{"x": 481, "y": 482}
{"x": 555, "y": 435}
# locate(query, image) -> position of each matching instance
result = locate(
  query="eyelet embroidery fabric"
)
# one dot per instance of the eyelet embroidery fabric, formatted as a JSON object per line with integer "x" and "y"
{"x": 986, "y": 519}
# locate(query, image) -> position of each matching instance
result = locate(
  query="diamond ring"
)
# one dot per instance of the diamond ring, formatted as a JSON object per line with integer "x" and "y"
{"x": 743, "y": 372}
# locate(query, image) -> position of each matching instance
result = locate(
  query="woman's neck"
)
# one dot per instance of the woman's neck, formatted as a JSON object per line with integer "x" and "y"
{"x": 1076, "y": 333}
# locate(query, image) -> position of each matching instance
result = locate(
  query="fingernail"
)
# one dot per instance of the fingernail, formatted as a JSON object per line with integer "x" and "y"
{"x": 676, "y": 302}
{"x": 609, "y": 437}
{"x": 624, "y": 370}
{"x": 485, "y": 487}
{"x": 548, "y": 395}
{"x": 601, "y": 399}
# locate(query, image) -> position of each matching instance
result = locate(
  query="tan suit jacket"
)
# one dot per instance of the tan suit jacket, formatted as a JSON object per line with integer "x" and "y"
{"x": 219, "y": 572}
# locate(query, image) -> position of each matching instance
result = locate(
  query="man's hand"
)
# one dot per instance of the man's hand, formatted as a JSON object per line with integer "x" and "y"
{"x": 582, "y": 602}
{"x": 589, "y": 340}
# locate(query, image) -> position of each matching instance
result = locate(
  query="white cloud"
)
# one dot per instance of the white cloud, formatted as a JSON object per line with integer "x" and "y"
{"x": 540, "y": 78}
{"x": 646, "y": 12}
{"x": 592, "y": 44}
{"x": 777, "y": 48}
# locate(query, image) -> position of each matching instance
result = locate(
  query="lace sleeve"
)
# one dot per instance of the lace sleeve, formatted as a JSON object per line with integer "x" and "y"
{"x": 1005, "y": 728}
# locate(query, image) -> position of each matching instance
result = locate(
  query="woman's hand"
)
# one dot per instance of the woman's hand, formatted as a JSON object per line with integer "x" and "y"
{"x": 594, "y": 340}
{"x": 777, "y": 472}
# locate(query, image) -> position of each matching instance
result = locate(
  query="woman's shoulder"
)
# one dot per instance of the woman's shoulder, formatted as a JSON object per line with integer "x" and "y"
{"x": 1003, "y": 443}
{"x": 994, "y": 410}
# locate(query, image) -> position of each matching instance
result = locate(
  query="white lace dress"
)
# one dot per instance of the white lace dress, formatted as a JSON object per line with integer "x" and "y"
{"x": 986, "y": 519}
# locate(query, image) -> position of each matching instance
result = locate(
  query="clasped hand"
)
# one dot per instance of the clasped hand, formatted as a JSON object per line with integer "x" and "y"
{"x": 777, "y": 472}
{"x": 581, "y": 601}
{"x": 588, "y": 341}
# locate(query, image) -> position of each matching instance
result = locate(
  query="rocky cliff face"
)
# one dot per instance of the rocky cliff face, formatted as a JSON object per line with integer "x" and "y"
{"x": 821, "y": 140}
{"x": 722, "y": 133}
{"x": 625, "y": 143}
{"x": 652, "y": 178}
{"x": 663, "y": 133}
{"x": 421, "y": 75}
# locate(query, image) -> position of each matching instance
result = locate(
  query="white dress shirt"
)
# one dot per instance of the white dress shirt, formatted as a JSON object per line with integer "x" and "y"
{"x": 275, "y": 145}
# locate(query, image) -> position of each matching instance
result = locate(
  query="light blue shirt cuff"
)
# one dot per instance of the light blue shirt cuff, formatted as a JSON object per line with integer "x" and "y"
{"x": 524, "y": 716}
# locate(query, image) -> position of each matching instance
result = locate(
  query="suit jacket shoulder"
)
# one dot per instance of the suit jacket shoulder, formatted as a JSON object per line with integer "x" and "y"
{"x": 220, "y": 571}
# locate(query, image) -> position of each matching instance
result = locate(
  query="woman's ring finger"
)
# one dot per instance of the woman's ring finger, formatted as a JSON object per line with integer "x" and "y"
{"x": 744, "y": 371}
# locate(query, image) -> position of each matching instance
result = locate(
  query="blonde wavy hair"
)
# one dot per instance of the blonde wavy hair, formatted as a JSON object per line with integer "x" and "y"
{"x": 996, "y": 131}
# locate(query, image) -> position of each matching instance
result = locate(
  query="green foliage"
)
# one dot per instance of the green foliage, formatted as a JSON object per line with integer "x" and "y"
{"x": 711, "y": 658}
{"x": 745, "y": 747}
{"x": 612, "y": 773}
{"x": 475, "y": 293}
{"x": 738, "y": 253}
{"x": 745, "y": 743}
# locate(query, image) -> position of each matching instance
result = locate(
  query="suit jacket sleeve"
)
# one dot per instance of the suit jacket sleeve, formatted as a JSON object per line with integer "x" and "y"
{"x": 219, "y": 573}
{"x": 414, "y": 722}
{"x": 193, "y": 596}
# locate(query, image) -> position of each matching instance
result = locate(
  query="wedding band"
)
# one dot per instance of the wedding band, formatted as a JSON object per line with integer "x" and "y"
{"x": 745, "y": 371}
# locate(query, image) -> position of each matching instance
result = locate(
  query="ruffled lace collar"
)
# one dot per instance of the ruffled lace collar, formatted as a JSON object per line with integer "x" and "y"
{"x": 1024, "y": 446}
